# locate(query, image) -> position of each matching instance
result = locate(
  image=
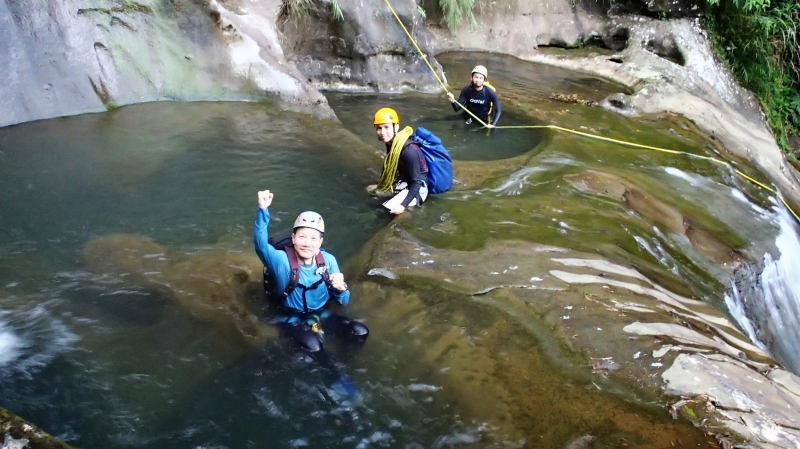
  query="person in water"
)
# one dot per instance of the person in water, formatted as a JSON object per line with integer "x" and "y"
{"x": 302, "y": 311}
{"x": 479, "y": 98}
{"x": 405, "y": 172}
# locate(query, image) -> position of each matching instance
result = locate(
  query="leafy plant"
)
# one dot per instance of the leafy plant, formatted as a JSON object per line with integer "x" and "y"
{"x": 455, "y": 11}
{"x": 759, "y": 40}
{"x": 301, "y": 10}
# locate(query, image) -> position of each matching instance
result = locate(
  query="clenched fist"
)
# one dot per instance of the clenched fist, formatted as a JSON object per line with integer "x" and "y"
{"x": 264, "y": 198}
{"x": 337, "y": 282}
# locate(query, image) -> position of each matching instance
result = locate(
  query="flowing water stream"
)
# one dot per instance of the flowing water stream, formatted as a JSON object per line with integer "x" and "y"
{"x": 125, "y": 320}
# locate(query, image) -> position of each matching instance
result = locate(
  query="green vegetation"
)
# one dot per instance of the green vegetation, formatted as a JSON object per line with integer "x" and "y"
{"x": 454, "y": 11}
{"x": 759, "y": 40}
{"x": 301, "y": 10}
{"x": 124, "y": 7}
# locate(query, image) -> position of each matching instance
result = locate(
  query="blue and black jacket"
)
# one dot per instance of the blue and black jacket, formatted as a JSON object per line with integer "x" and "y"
{"x": 311, "y": 284}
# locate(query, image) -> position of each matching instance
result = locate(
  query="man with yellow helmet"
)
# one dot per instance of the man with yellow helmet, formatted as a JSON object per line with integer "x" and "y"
{"x": 405, "y": 172}
{"x": 478, "y": 99}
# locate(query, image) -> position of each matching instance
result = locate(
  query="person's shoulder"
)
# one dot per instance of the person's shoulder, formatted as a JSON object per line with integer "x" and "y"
{"x": 411, "y": 142}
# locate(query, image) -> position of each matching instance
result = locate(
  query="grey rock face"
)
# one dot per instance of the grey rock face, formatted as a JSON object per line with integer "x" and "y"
{"x": 69, "y": 57}
{"x": 366, "y": 48}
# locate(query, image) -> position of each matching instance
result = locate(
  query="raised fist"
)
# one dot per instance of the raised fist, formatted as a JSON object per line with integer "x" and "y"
{"x": 264, "y": 198}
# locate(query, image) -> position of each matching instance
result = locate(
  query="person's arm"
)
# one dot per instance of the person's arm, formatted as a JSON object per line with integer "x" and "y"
{"x": 462, "y": 99}
{"x": 339, "y": 288}
{"x": 496, "y": 108}
{"x": 412, "y": 172}
{"x": 266, "y": 252}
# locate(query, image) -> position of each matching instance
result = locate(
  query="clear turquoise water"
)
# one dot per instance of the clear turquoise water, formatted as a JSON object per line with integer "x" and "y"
{"x": 101, "y": 360}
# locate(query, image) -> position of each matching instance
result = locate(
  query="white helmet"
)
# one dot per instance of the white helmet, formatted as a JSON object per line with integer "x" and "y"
{"x": 309, "y": 219}
{"x": 480, "y": 69}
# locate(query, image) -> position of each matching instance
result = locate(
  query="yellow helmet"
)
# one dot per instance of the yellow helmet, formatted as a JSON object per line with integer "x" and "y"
{"x": 386, "y": 115}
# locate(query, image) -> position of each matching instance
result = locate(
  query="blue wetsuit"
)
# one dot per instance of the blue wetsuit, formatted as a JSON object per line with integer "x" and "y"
{"x": 277, "y": 262}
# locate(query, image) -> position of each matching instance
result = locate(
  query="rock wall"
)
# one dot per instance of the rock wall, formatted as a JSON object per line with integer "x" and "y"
{"x": 365, "y": 49}
{"x": 74, "y": 56}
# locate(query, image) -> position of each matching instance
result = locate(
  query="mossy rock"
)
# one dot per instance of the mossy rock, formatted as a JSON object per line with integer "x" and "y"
{"x": 26, "y": 434}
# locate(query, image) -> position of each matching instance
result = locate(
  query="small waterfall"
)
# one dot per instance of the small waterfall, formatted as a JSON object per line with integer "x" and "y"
{"x": 765, "y": 297}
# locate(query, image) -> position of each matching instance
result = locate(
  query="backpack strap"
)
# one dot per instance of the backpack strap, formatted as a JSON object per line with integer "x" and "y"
{"x": 294, "y": 275}
{"x": 417, "y": 142}
{"x": 323, "y": 269}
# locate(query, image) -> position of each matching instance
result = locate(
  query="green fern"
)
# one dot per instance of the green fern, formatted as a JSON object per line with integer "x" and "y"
{"x": 455, "y": 11}
{"x": 760, "y": 42}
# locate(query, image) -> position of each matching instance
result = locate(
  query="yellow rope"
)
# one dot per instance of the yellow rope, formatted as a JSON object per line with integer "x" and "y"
{"x": 410, "y": 37}
{"x": 386, "y": 183}
{"x": 425, "y": 58}
{"x": 572, "y": 131}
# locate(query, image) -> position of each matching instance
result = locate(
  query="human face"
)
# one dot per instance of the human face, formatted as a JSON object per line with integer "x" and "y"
{"x": 306, "y": 243}
{"x": 477, "y": 80}
{"x": 386, "y": 131}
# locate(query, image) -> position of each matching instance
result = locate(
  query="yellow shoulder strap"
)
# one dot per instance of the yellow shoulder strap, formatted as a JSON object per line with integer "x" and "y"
{"x": 485, "y": 83}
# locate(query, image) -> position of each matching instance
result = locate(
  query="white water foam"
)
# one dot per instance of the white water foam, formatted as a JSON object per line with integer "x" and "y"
{"x": 692, "y": 179}
{"x": 10, "y": 345}
{"x": 30, "y": 339}
{"x": 780, "y": 286}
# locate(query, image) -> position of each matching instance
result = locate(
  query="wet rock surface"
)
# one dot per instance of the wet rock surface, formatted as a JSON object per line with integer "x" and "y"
{"x": 365, "y": 49}
{"x": 220, "y": 287}
{"x": 16, "y": 433}
{"x": 68, "y": 58}
{"x": 753, "y": 405}
{"x": 592, "y": 305}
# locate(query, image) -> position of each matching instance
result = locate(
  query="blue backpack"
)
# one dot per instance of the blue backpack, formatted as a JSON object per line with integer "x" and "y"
{"x": 440, "y": 165}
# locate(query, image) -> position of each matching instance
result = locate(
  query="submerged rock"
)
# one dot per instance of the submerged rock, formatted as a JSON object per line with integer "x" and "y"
{"x": 650, "y": 206}
{"x": 218, "y": 286}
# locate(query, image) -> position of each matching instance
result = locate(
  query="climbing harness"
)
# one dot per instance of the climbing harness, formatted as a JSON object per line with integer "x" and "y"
{"x": 422, "y": 57}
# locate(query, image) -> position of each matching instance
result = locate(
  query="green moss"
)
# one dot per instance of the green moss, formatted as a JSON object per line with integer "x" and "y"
{"x": 124, "y": 7}
{"x": 17, "y": 428}
{"x": 302, "y": 10}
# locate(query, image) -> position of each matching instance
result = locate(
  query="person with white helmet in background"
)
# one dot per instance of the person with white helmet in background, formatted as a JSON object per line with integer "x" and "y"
{"x": 301, "y": 278}
{"x": 478, "y": 98}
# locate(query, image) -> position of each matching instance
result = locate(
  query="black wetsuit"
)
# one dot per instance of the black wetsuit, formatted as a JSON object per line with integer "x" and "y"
{"x": 478, "y": 102}
{"x": 412, "y": 169}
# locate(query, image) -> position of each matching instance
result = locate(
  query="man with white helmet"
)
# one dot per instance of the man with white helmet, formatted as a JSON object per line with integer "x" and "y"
{"x": 478, "y": 99}
{"x": 304, "y": 278}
